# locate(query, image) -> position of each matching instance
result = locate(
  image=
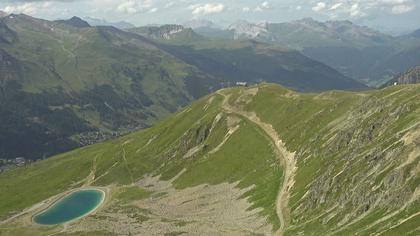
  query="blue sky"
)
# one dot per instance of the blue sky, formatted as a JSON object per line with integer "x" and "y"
{"x": 396, "y": 15}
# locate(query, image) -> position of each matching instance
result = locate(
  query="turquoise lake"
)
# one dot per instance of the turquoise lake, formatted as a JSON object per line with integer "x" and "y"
{"x": 70, "y": 207}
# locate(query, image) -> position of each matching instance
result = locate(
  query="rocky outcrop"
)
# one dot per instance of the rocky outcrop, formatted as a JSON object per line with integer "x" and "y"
{"x": 412, "y": 76}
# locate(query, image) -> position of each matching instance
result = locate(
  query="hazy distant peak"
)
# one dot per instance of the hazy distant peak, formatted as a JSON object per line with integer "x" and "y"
{"x": 3, "y": 14}
{"x": 340, "y": 22}
{"x": 75, "y": 21}
{"x": 167, "y": 32}
{"x": 307, "y": 20}
{"x": 102, "y": 22}
{"x": 196, "y": 24}
{"x": 243, "y": 25}
{"x": 416, "y": 33}
{"x": 244, "y": 29}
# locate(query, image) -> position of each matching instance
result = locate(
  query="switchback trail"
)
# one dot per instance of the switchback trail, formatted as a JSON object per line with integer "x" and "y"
{"x": 286, "y": 158}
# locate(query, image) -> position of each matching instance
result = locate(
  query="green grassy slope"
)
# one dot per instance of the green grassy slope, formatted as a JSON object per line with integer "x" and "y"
{"x": 356, "y": 158}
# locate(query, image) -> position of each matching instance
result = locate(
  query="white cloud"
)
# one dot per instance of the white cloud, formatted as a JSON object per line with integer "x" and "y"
{"x": 169, "y": 4}
{"x": 153, "y": 10}
{"x": 362, "y": 8}
{"x": 392, "y": 6}
{"x": 128, "y": 7}
{"x": 207, "y": 8}
{"x": 400, "y": 9}
{"x": 336, "y": 6}
{"x": 299, "y": 8}
{"x": 26, "y": 8}
{"x": 133, "y": 6}
{"x": 355, "y": 10}
{"x": 263, "y": 6}
{"x": 266, "y": 5}
{"x": 319, "y": 6}
{"x": 246, "y": 9}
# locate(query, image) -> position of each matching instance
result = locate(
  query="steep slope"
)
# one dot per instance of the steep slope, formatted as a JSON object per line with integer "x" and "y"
{"x": 249, "y": 61}
{"x": 69, "y": 84}
{"x": 259, "y": 160}
{"x": 412, "y": 76}
{"x": 255, "y": 62}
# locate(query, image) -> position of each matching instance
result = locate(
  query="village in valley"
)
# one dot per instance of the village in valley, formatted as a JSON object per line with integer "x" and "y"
{"x": 6, "y": 164}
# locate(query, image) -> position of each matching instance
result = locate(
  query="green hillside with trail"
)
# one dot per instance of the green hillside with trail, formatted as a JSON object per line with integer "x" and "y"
{"x": 258, "y": 160}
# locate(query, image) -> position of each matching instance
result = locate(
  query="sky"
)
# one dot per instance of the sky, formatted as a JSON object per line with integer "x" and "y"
{"x": 386, "y": 15}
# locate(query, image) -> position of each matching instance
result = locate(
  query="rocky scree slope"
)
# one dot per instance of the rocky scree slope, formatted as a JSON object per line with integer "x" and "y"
{"x": 412, "y": 76}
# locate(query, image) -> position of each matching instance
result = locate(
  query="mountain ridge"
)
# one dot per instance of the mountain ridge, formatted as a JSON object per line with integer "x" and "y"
{"x": 358, "y": 52}
{"x": 75, "y": 21}
{"x": 222, "y": 145}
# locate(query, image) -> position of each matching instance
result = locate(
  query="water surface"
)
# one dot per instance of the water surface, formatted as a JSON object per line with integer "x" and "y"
{"x": 73, "y": 206}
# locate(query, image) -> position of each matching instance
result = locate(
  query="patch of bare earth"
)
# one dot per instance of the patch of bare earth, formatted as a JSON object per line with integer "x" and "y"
{"x": 201, "y": 210}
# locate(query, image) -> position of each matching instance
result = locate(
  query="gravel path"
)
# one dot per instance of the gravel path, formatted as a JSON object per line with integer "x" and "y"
{"x": 286, "y": 158}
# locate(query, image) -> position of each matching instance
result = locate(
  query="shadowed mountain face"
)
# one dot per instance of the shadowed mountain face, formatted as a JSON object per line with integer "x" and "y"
{"x": 248, "y": 60}
{"x": 254, "y": 63}
{"x": 75, "y": 21}
{"x": 68, "y": 84}
{"x": 259, "y": 160}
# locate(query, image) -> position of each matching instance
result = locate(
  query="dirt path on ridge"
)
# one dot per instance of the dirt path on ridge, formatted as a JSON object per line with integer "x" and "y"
{"x": 286, "y": 158}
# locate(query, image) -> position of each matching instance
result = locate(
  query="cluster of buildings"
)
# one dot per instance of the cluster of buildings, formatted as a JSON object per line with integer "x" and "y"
{"x": 6, "y": 164}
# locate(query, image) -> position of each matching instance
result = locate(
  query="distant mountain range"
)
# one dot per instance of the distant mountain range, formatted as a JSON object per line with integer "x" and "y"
{"x": 167, "y": 32}
{"x": 66, "y": 83}
{"x": 200, "y": 24}
{"x": 247, "y": 60}
{"x": 356, "y": 51}
{"x": 102, "y": 22}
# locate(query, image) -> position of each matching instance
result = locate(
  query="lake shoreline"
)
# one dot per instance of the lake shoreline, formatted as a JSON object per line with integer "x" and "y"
{"x": 62, "y": 196}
